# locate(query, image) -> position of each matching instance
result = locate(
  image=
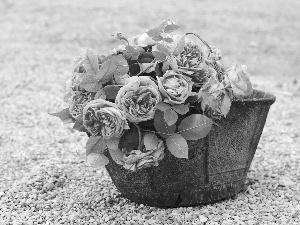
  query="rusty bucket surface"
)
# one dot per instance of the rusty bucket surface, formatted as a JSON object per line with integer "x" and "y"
{"x": 217, "y": 166}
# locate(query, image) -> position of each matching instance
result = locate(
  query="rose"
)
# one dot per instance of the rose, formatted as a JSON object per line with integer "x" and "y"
{"x": 138, "y": 160}
{"x": 138, "y": 98}
{"x": 239, "y": 81}
{"x": 103, "y": 118}
{"x": 175, "y": 88}
{"x": 78, "y": 100}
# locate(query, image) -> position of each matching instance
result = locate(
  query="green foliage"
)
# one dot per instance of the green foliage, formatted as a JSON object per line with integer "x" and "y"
{"x": 161, "y": 126}
{"x": 195, "y": 126}
{"x": 95, "y": 144}
{"x": 170, "y": 116}
{"x": 79, "y": 124}
{"x": 111, "y": 91}
{"x": 64, "y": 115}
{"x": 178, "y": 146}
{"x": 117, "y": 155}
{"x": 97, "y": 160}
{"x": 150, "y": 141}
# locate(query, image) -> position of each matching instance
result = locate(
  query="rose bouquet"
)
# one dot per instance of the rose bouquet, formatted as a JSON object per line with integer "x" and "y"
{"x": 151, "y": 95}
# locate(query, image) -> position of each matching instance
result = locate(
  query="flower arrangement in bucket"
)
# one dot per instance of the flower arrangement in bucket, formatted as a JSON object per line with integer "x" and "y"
{"x": 150, "y": 98}
{"x": 159, "y": 87}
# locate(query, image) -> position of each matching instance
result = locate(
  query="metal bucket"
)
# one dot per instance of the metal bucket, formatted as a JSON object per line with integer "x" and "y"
{"x": 217, "y": 166}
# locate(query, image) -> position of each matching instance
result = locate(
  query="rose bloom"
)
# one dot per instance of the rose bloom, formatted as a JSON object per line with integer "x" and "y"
{"x": 175, "y": 88}
{"x": 239, "y": 80}
{"x": 138, "y": 98}
{"x": 103, "y": 118}
{"x": 137, "y": 160}
{"x": 78, "y": 100}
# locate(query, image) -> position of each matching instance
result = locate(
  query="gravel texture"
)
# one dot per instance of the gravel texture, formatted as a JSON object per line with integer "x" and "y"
{"x": 43, "y": 175}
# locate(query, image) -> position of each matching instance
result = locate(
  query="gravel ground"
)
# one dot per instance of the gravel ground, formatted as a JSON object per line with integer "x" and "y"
{"x": 43, "y": 176}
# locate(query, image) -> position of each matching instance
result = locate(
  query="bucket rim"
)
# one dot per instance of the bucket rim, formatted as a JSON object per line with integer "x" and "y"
{"x": 258, "y": 96}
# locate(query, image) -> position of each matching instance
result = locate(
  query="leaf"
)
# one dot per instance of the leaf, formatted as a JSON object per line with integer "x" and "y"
{"x": 132, "y": 135}
{"x": 162, "y": 106}
{"x": 154, "y": 32}
{"x": 170, "y": 116}
{"x": 158, "y": 71}
{"x": 117, "y": 155}
{"x": 131, "y": 53}
{"x": 226, "y": 104}
{"x": 195, "y": 126}
{"x": 169, "y": 40}
{"x": 90, "y": 83}
{"x": 79, "y": 124}
{"x": 163, "y": 49}
{"x": 113, "y": 143}
{"x": 159, "y": 56}
{"x": 173, "y": 63}
{"x": 100, "y": 94}
{"x": 171, "y": 27}
{"x": 178, "y": 146}
{"x": 64, "y": 115}
{"x": 121, "y": 63}
{"x": 111, "y": 91}
{"x": 157, "y": 38}
{"x": 97, "y": 160}
{"x": 180, "y": 109}
{"x": 67, "y": 96}
{"x": 106, "y": 71}
{"x": 178, "y": 46}
{"x": 95, "y": 144}
{"x": 207, "y": 100}
{"x": 163, "y": 129}
{"x": 150, "y": 141}
{"x": 91, "y": 63}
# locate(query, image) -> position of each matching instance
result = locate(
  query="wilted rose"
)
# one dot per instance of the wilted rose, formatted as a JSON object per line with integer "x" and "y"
{"x": 103, "y": 118}
{"x": 239, "y": 80}
{"x": 138, "y": 98}
{"x": 175, "y": 88}
{"x": 78, "y": 100}
{"x": 137, "y": 160}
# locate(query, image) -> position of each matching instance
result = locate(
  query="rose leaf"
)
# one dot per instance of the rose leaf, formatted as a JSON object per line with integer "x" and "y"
{"x": 111, "y": 91}
{"x": 64, "y": 115}
{"x": 159, "y": 56}
{"x": 163, "y": 49}
{"x": 79, "y": 124}
{"x": 154, "y": 32}
{"x": 131, "y": 53}
{"x": 169, "y": 40}
{"x": 117, "y": 156}
{"x": 132, "y": 135}
{"x": 150, "y": 141}
{"x": 195, "y": 126}
{"x": 178, "y": 146}
{"x": 163, "y": 129}
{"x": 95, "y": 144}
{"x": 97, "y": 160}
{"x": 121, "y": 63}
{"x": 106, "y": 71}
{"x": 181, "y": 109}
{"x": 170, "y": 28}
{"x": 173, "y": 63}
{"x": 89, "y": 83}
{"x": 178, "y": 46}
{"x": 170, "y": 116}
{"x": 162, "y": 106}
{"x": 91, "y": 63}
{"x": 113, "y": 143}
